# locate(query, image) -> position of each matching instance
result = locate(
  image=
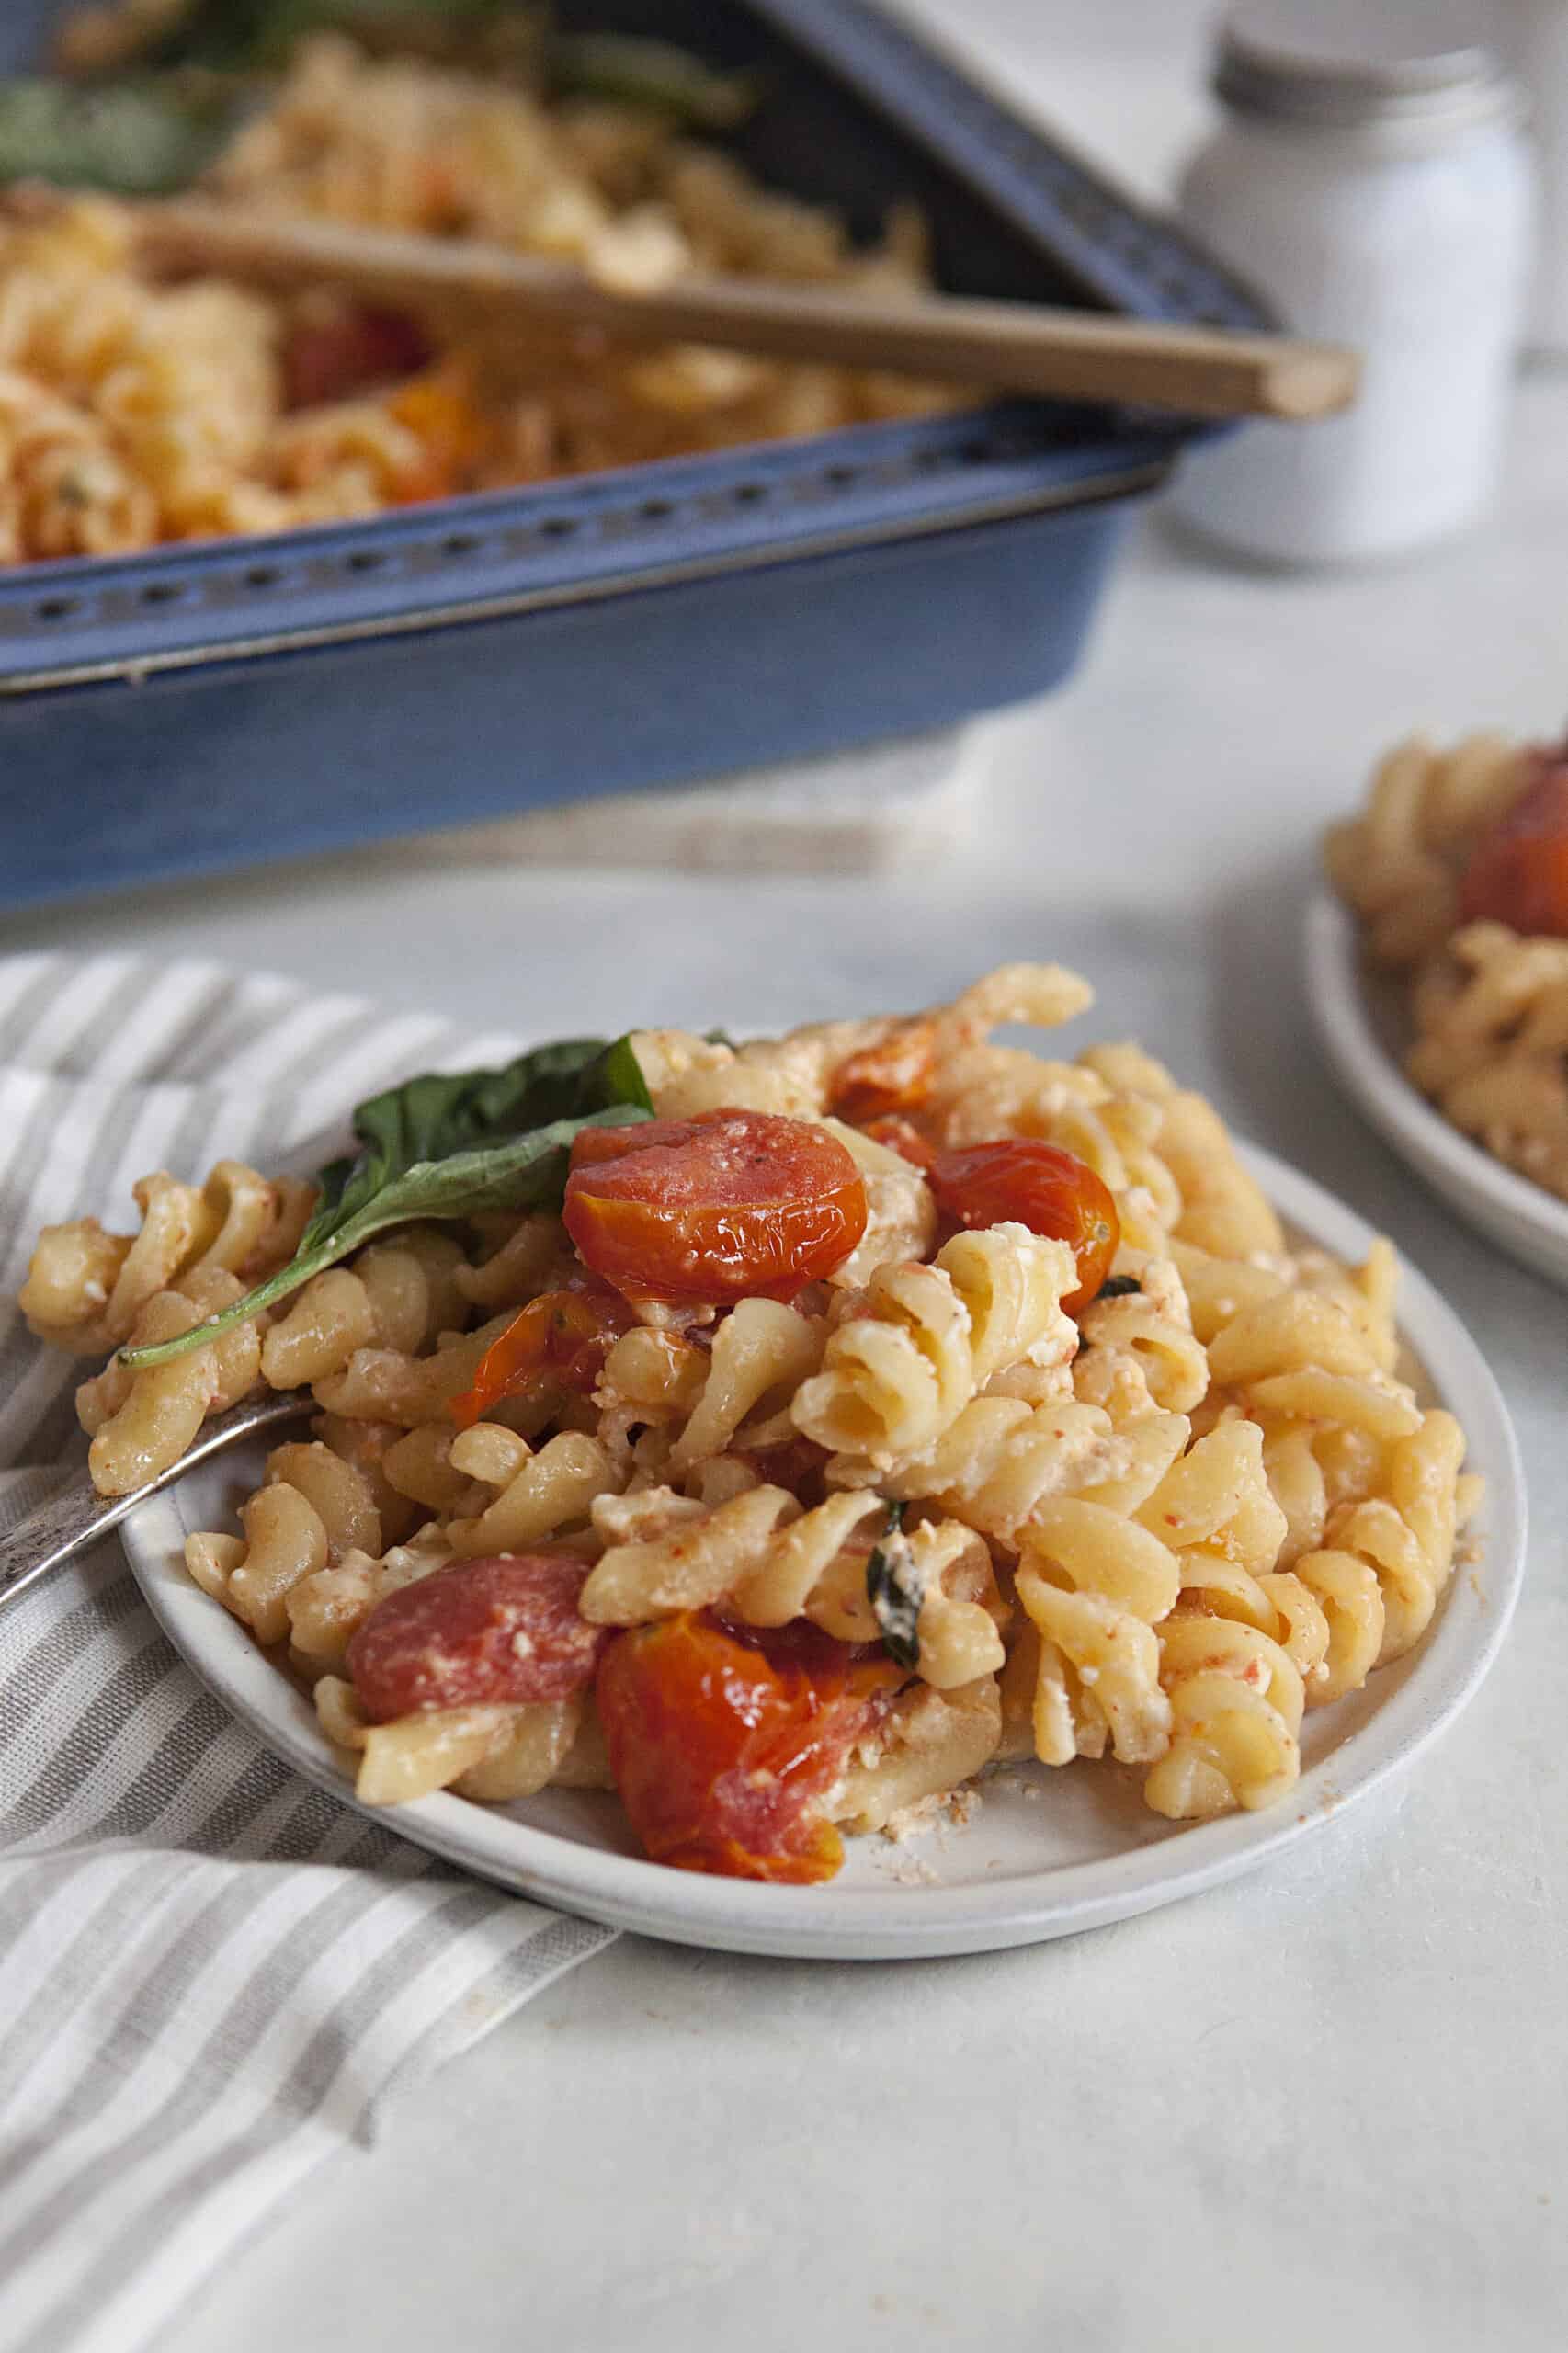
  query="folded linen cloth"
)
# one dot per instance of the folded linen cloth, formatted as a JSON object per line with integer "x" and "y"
{"x": 211, "y": 1973}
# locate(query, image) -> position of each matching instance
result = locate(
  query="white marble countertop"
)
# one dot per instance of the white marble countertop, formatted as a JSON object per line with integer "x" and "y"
{"x": 1324, "y": 2105}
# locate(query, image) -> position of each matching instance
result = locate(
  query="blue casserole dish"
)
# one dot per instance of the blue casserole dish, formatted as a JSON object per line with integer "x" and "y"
{"x": 204, "y": 707}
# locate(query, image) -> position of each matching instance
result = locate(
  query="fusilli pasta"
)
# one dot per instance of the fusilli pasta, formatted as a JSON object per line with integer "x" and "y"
{"x": 1487, "y": 1002}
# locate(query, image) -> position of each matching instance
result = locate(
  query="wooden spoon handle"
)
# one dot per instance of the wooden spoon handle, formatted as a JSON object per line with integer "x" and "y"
{"x": 1012, "y": 347}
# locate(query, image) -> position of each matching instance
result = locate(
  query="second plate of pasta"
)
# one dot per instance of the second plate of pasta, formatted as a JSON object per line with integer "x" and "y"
{"x": 1035, "y": 1853}
{"x": 1363, "y": 1027}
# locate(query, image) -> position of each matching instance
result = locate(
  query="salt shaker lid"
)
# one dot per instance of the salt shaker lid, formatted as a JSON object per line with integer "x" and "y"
{"x": 1350, "y": 65}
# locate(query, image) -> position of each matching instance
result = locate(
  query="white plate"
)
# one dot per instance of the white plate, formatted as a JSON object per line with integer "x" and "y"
{"x": 1363, "y": 1026}
{"x": 1047, "y": 1852}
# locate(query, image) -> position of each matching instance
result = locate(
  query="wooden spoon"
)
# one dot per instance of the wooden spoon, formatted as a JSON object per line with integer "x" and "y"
{"x": 1012, "y": 347}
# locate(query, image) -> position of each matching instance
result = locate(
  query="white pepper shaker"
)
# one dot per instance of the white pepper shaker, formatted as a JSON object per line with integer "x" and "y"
{"x": 1371, "y": 181}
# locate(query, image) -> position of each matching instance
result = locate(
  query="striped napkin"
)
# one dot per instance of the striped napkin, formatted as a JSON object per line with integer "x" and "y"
{"x": 211, "y": 1973}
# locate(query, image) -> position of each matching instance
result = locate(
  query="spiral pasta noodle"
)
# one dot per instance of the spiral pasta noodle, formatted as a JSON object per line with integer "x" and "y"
{"x": 898, "y": 1373}
{"x": 770, "y": 1562}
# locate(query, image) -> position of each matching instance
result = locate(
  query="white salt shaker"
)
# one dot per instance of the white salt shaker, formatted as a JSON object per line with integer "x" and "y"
{"x": 1371, "y": 181}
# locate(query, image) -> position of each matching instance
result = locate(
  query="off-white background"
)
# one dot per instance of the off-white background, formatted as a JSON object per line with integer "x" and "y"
{"x": 1322, "y": 2108}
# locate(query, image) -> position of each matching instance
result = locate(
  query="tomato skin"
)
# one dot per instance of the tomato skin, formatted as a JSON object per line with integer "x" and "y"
{"x": 564, "y": 1333}
{"x": 332, "y": 359}
{"x": 489, "y": 1632}
{"x": 896, "y": 1075}
{"x": 730, "y": 1205}
{"x": 723, "y": 1741}
{"x": 1517, "y": 873}
{"x": 1023, "y": 1180}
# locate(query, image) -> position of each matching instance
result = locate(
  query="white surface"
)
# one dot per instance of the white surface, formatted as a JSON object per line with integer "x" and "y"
{"x": 1047, "y": 1855}
{"x": 1358, "y": 1025}
{"x": 1320, "y": 2108}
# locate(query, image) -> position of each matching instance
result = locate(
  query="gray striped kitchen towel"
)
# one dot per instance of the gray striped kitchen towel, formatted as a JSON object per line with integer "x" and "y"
{"x": 211, "y": 1973}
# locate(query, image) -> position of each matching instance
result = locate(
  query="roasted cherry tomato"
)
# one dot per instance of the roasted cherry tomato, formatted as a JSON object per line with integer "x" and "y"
{"x": 1517, "y": 873}
{"x": 723, "y": 1741}
{"x": 1024, "y": 1181}
{"x": 477, "y": 1633}
{"x": 723, "y": 1207}
{"x": 896, "y": 1075}
{"x": 331, "y": 358}
{"x": 564, "y": 1333}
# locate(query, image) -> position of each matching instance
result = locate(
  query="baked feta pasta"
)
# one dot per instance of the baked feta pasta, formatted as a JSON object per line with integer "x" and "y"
{"x": 782, "y": 1434}
{"x": 1458, "y": 869}
{"x": 135, "y": 409}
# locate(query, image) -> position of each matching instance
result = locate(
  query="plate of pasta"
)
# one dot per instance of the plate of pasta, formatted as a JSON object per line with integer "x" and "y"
{"x": 1438, "y": 979}
{"x": 875, "y": 1492}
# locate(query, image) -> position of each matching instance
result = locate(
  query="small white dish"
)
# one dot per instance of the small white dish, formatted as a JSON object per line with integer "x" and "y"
{"x": 1362, "y": 1026}
{"x": 1047, "y": 1853}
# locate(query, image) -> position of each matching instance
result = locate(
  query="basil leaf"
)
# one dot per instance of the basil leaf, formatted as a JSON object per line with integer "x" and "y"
{"x": 1119, "y": 1286}
{"x": 895, "y": 1589}
{"x": 643, "y": 73}
{"x": 615, "y": 1078}
{"x": 426, "y": 1118}
{"x": 132, "y": 137}
{"x": 527, "y": 1173}
{"x": 447, "y": 1146}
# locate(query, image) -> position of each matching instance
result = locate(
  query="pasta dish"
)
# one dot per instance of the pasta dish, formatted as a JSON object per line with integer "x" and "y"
{"x": 782, "y": 1434}
{"x": 135, "y": 411}
{"x": 1458, "y": 869}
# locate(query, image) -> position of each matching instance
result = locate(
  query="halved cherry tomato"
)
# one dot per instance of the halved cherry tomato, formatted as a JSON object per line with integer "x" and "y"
{"x": 478, "y": 1634}
{"x": 566, "y": 1334}
{"x": 1517, "y": 873}
{"x": 730, "y": 1205}
{"x": 723, "y": 1741}
{"x": 1025, "y": 1181}
{"x": 330, "y": 359}
{"x": 895, "y": 1076}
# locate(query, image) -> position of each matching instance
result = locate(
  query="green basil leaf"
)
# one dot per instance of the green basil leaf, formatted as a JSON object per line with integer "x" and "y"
{"x": 132, "y": 137}
{"x": 643, "y": 73}
{"x": 447, "y": 1146}
{"x": 530, "y": 1173}
{"x": 428, "y": 1117}
{"x": 615, "y": 1078}
{"x": 895, "y": 1589}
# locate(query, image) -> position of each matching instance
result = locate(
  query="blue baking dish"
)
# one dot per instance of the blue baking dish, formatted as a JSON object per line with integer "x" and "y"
{"x": 204, "y": 707}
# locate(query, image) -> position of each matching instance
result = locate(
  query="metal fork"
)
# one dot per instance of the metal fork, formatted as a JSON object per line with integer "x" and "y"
{"x": 71, "y": 1522}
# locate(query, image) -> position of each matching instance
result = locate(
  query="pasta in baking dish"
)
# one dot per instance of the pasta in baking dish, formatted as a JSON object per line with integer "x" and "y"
{"x": 135, "y": 411}
{"x": 781, "y": 1434}
{"x": 1458, "y": 869}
